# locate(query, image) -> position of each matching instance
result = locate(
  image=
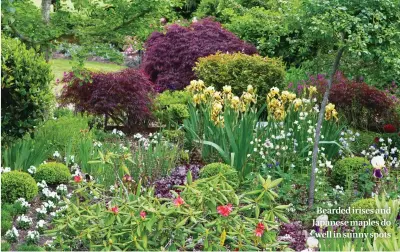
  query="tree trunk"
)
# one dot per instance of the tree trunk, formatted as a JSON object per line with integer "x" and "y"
{"x": 46, "y": 6}
{"x": 319, "y": 125}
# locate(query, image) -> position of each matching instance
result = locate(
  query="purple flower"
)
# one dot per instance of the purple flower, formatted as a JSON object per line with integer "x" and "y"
{"x": 378, "y": 173}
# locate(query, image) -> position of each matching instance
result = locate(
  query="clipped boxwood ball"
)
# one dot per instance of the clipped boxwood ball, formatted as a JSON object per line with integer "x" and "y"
{"x": 53, "y": 173}
{"x": 353, "y": 166}
{"x": 16, "y": 184}
{"x": 228, "y": 171}
{"x": 363, "y": 204}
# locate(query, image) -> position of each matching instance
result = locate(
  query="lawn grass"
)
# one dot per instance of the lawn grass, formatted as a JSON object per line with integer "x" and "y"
{"x": 59, "y": 66}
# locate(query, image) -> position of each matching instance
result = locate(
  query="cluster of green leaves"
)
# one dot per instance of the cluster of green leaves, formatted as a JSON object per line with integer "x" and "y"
{"x": 24, "y": 153}
{"x": 350, "y": 168}
{"x": 307, "y": 33}
{"x": 239, "y": 70}
{"x": 16, "y": 184}
{"x": 170, "y": 107}
{"x": 25, "y": 89}
{"x": 215, "y": 168}
{"x": 53, "y": 173}
{"x": 91, "y": 24}
{"x": 147, "y": 160}
{"x": 229, "y": 143}
{"x": 64, "y": 132}
{"x": 144, "y": 222}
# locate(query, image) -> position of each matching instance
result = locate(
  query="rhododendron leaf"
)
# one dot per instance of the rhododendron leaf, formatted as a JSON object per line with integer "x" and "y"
{"x": 257, "y": 211}
{"x": 110, "y": 220}
{"x": 282, "y": 207}
{"x": 282, "y": 217}
{"x": 275, "y": 182}
{"x": 182, "y": 222}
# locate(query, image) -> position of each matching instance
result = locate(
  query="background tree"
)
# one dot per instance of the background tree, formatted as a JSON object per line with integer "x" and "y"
{"x": 88, "y": 23}
{"x": 351, "y": 30}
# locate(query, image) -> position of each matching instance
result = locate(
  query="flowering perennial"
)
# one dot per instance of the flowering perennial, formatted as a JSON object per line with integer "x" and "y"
{"x": 225, "y": 210}
{"x": 217, "y": 100}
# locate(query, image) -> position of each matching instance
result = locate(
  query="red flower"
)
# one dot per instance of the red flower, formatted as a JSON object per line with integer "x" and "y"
{"x": 179, "y": 201}
{"x": 389, "y": 128}
{"x": 77, "y": 179}
{"x": 115, "y": 210}
{"x": 376, "y": 139}
{"x": 143, "y": 215}
{"x": 225, "y": 210}
{"x": 260, "y": 229}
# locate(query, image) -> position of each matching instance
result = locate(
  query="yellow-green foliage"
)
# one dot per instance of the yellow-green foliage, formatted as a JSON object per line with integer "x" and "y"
{"x": 16, "y": 184}
{"x": 53, "y": 173}
{"x": 170, "y": 107}
{"x": 240, "y": 70}
{"x": 227, "y": 171}
{"x": 363, "y": 204}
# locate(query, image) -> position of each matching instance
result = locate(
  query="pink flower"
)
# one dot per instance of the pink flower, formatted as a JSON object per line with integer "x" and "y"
{"x": 115, "y": 210}
{"x": 225, "y": 210}
{"x": 260, "y": 229}
{"x": 127, "y": 178}
{"x": 77, "y": 179}
{"x": 179, "y": 201}
{"x": 143, "y": 215}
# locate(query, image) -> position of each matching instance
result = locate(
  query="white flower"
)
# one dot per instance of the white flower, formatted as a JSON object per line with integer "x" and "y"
{"x": 97, "y": 144}
{"x": 322, "y": 220}
{"x": 57, "y": 154}
{"x": 40, "y": 224}
{"x": 61, "y": 188}
{"x": 12, "y": 234}
{"x": 32, "y": 169}
{"x": 41, "y": 210}
{"x": 33, "y": 236}
{"x": 5, "y": 170}
{"x": 23, "y": 202}
{"x": 114, "y": 131}
{"x": 312, "y": 242}
{"x": 378, "y": 162}
{"x": 329, "y": 164}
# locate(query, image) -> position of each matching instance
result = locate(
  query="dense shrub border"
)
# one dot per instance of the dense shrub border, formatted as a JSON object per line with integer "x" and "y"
{"x": 170, "y": 56}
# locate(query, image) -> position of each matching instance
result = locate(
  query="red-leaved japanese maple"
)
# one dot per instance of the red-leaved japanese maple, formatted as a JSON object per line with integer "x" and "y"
{"x": 363, "y": 106}
{"x": 170, "y": 57}
{"x": 124, "y": 96}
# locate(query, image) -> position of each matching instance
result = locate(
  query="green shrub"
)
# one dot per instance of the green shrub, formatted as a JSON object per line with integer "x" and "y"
{"x": 351, "y": 166}
{"x": 6, "y": 221}
{"x": 171, "y": 107}
{"x": 363, "y": 204}
{"x": 229, "y": 172}
{"x": 61, "y": 112}
{"x": 26, "y": 247}
{"x": 174, "y": 136}
{"x": 63, "y": 132}
{"x": 364, "y": 141}
{"x": 53, "y": 173}
{"x": 25, "y": 152}
{"x": 16, "y": 184}
{"x": 25, "y": 89}
{"x": 5, "y": 246}
{"x": 240, "y": 70}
